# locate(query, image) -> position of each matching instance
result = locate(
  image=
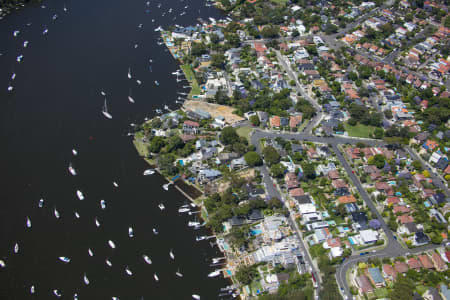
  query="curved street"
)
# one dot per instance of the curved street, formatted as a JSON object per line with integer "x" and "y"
{"x": 392, "y": 249}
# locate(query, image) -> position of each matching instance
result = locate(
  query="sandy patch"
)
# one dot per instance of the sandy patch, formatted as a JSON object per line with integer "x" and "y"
{"x": 214, "y": 110}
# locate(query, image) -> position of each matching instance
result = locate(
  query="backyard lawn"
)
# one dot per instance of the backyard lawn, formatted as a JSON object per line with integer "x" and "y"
{"x": 360, "y": 130}
{"x": 191, "y": 78}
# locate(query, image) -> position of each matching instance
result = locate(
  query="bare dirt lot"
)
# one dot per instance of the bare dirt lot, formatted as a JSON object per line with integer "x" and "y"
{"x": 214, "y": 110}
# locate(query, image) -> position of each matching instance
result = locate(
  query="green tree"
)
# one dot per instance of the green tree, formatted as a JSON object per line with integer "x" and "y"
{"x": 309, "y": 171}
{"x": 165, "y": 163}
{"x": 403, "y": 288}
{"x": 378, "y": 160}
{"x": 218, "y": 61}
{"x": 271, "y": 155}
{"x": 277, "y": 170}
{"x": 246, "y": 274}
{"x": 156, "y": 144}
{"x": 378, "y": 133}
{"x": 274, "y": 202}
{"x": 254, "y": 120}
{"x": 417, "y": 165}
{"x": 174, "y": 143}
{"x": 229, "y": 136}
{"x": 253, "y": 159}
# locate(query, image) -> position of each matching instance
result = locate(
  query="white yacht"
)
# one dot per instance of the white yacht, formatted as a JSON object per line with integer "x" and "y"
{"x": 178, "y": 273}
{"x": 65, "y": 8}
{"x": 25, "y": 44}
{"x": 161, "y": 206}
{"x": 64, "y": 259}
{"x": 200, "y": 238}
{"x": 72, "y": 170}
{"x": 130, "y": 232}
{"x": 28, "y": 222}
{"x": 77, "y": 215}
{"x": 115, "y": 184}
{"x": 166, "y": 186}
{"x": 166, "y": 107}
{"x": 102, "y": 93}
{"x": 193, "y": 223}
{"x": 57, "y": 215}
{"x": 129, "y": 73}
{"x": 128, "y": 271}
{"x": 159, "y": 28}
{"x": 97, "y": 223}
{"x": 156, "y": 82}
{"x": 102, "y": 204}
{"x": 16, "y": 248}
{"x": 45, "y": 31}
{"x": 80, "y": 195}
{"x": 147, "y": 259}
{"x": 13, "y": 76}
{"x": 54, "y": 17}
{"x": 138, "y": 82}
{"x": 196, "y": 297}
{"x": 172, "y": 256}
{"x": 215, "y": 273}
{"x": 105, "y": 111}
{"x": 75, "y": 296}
{"x": 149, "y": 172}
{"x": 74, "y": 152}
{"x": 41, "y": 203}
{"x": 108, "y": 262}
{"x": 19, "y": 58}
{"x": 155, "y": 231}
{"x": 2, "y": 263}
{"x": 10, "y": 88}
{"x": 90, "y": 252}
{"x": 16, "y": 32}
{"x": 32, "y": 289}
{"x": 183, "y": 209}
{"x": 57, "y": 293}
{"x": 135, "y": 46}
{"x": 156, "y": 277}
{"x": 85, "y": 279}
{"x": 130, "y": 98}
{"x": 111, "y": 244}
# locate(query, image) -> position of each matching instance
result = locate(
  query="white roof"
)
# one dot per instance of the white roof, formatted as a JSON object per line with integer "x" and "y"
{"x": 306, "y": 208}
{"x": 368, "y": 235}
{"x": 336, "y": 251}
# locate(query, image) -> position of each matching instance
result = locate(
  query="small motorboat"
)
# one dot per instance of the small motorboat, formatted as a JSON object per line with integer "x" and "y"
{"x": 147, "y": 259}
{"x": 65, "y": 8}
{"x": 183, "y": 209}
{"x": 85, "y": 279}
{"x": 19, "y": 58}
{"x": 102, "y": 93}
{"x": 115, "y": 184}
{"x": 140, "y": 25}
{"x": 178, "y": 273}
{"x": 111, "y": 244}
{"x": 138, "y": 82}
{"x": 2, "y": 263}
{"x": 128, "y": 271}
{"x": 166, "y": 107}
{"x": 155, "y": 231}
{"x": 10, "y": 88}
{"x": 80, "y": 195}
{"x": 16, "y": 248}
{"x": 77, "y": 215}
{"x": 156, "y": 82}
{"x": 64, "y": 259}
{"x": 45, "y": 31}
{"x": 215, "y": 273}
{"x": 156, "y": 277}
{"x": 13, "y": 76}
{"x": 74, "y": 152}
{"x": 32, "y": 289}
{"x": 103, "y": 204}
{"x": 90, "y": 252}
{"x": 72, "y": 170}
{"x": 57, "y": 215}
{"x": 130, "y": 232}
{"x": 193, "y": 223}
{"x": 135, "y": 46}
{"x": 149, "y": 172}
{"x": 161, "y": 206}
{"x": 25, "y": 44}
{"x": 130, "y": 99}
{"x": 158, "y": 111}
{"x": 54, "y": 17}
{"x": 97, "y": 223}
{"x": 166, "y": 186}
{"x": 200, "y": 238}
{"x": 41, "y": 203}
{"x": 16, "y": 32}
{"x": 159, "y": 28}
{"x": 108, "y": 262}
{"x": 172, "y": 256}
{"x": 57, "y": 293}
{"x": 129, "y": 73}
{"x": 75, "y": 296}
{"x": 196, "y": 297}
{"x": 105, "y": 111}
{"x": 28, "y": 222}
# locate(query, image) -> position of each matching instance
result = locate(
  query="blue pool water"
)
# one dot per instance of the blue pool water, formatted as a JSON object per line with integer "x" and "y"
{"x": 255, "y": 232}
{"x": 427, "y": 204}
{"x": 351, "y": 241}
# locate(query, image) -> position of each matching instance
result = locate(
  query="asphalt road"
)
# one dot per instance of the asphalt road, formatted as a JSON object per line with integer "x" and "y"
{"x": 392, "y": 249}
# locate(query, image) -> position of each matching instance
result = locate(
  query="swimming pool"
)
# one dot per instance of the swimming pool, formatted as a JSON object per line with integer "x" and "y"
{"x": 351, "y": 241}
{"x": 255, "y": 231}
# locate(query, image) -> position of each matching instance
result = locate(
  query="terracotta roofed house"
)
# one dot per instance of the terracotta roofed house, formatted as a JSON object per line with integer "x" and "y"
{"x": 414, "y": 264}
{"x": 389, "y": 272}
{"x": 347, "y": 199}
{"x": 400, "y": 267}
{"x": 275, "y": 121}
{"x": 403, "y": 219}
{"x": 425, "y": 261}
{"x": 364, "y": 284}
{"x": 438, "y": 262}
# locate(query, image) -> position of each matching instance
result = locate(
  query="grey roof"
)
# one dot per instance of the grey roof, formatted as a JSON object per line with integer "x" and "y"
{"x": 376, "y": 275}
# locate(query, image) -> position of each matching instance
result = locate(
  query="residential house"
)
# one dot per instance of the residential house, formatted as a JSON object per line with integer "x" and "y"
{"x": 389, "y": 272}
{"x": 414, "y": 264}
{"x": 375, "y": 277}
{"x": 364, "y": 284}
{"x": 425, "y": 261}
{"x": 191, "y": 127}
{"x": 438, "y": 262}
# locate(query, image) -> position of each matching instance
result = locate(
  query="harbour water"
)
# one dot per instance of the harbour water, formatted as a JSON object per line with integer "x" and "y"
{"x": 56, "y": 106}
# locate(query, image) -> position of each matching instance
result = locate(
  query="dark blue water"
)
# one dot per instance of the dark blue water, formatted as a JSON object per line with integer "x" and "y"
{"x": 56, "y": 106}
